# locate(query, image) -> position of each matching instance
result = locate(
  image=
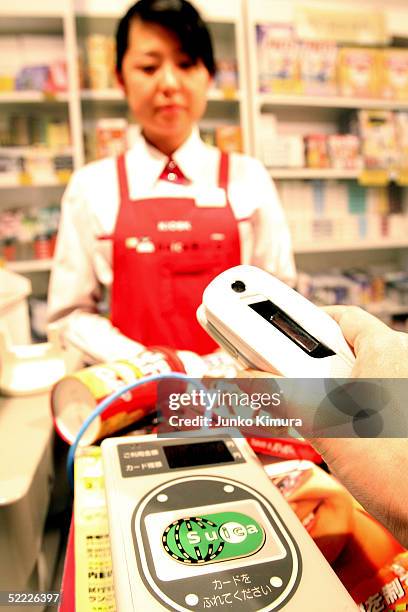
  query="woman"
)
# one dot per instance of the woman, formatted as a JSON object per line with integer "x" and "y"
{"x": 361, "y": 551}
{"x": 157, "y": 224}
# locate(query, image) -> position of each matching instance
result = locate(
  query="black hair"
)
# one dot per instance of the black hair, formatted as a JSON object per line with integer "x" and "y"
{"x": 177, "y": 16}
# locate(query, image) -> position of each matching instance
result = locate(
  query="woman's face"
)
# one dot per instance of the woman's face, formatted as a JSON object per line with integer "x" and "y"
{"x": 166, "y": 92}
{"x": 324, "y": 507}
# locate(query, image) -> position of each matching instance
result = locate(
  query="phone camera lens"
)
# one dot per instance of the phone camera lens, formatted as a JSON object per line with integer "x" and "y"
{"x": 238, "y": 286}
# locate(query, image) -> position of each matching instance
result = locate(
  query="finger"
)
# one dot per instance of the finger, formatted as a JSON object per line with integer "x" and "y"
{"x": 356, "y": 324}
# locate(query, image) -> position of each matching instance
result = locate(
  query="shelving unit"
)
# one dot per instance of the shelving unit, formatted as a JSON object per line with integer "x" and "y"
{"x": 232, "y": 23}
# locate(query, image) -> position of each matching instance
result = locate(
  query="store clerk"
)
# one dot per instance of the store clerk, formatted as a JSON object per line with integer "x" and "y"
{"x": 157, "y": 224}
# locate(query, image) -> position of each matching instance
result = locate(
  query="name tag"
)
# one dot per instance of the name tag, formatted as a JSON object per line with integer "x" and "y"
{"x": 211, "y": 198}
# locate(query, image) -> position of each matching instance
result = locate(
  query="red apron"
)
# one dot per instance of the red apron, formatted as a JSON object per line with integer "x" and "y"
{"x": 165, "y": 252}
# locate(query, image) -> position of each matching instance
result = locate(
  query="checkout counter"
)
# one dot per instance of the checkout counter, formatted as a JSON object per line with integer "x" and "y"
{"x": 28, "y": 547}
{"x": 28, "y": 553}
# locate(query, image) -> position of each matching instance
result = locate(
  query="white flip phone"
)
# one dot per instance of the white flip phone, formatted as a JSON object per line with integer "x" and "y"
{"x": 266, "y": 325}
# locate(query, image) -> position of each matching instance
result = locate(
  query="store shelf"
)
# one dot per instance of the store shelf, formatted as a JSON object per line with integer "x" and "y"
{"x": 116, "y": 95}
{"x": 330, "y": 102}
{"x": 31, "y": 97}
{"x": 357, "y": 245}
{"x": 386, "y": 307}
{"x": 42, "y": 185}
{"x": 313, "y": 173}
{"x": 30, "y": 265}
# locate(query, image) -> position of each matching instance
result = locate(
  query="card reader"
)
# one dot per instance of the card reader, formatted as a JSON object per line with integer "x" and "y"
{"x": 196, "y": 524}
{"x": 268, "y": 326}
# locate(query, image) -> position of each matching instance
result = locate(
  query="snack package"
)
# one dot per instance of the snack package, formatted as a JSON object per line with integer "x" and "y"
{"x": 394, "y": 74}
{"x": 344, "y": 151}
{"x": 378, "y": 139}
{"x": 228, "y": 138}
{"x": 278, "y": 58}
{"x": 358, "y": 72}
{"x": 316, "y": 151}
{"x": 318, "y": 67}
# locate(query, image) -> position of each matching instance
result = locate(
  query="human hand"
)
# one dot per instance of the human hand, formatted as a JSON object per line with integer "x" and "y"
{"x": 371, "y": 468}
{"x": 380, "y": 351}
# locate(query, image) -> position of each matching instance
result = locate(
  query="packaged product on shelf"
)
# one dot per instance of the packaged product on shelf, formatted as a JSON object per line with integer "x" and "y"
{"x": 401, "y": 124}
{"x": 358, "y": 72}
{"x": 58, "y": 135}
{"x": 11, "y": 167}
{"x": 100, "y": 58}
{"x": 394, "y": 74}
{"x": 10, "y": 62}
{"x": 378, "y": 139}
{"x": 344, "y": 151}
{"x": 228, "y": 138}
{"x": 316, "y": 151}
{"x": 39, "y": 166}
{"x": 226, "y": 77}
{"x": 278, "y": 58}
{"x": 110, "y": 137}
{"x": 10, "y": 230}
{"x": 283, "y": 151}
{"x": 318, "y": 67}
{"x": 38, "y": 53}
{"x": 57, "y": 77}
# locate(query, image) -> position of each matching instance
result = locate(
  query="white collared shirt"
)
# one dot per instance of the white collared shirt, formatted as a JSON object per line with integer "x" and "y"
{"x": 83, "y": 259}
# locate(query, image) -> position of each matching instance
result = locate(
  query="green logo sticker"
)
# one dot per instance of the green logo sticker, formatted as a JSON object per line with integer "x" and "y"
{"x": 213, "y": 537}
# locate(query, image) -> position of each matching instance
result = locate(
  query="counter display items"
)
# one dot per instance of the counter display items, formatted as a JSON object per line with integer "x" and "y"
{"x": 188, "y": 530}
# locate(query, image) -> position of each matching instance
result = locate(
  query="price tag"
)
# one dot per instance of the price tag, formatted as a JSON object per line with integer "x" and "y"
{"x": 373, "y": 178}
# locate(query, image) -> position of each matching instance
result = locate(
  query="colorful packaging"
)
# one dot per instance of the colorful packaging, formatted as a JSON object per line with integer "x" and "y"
{"x": 226, "y": 77}
{"x": 278, "y": 58}
{"x": 394, "y": 74}
{"x": 344, "y": 151}
{"x": 371, "y": 564}
{"x": 228, "y": 138}
{"x": 316, "y": 151}
{"x": 358, "y": 72}
{"x": 75, "y": 397}
{"x": 318, "y": 68}
{"x": 94, "y": 586}
{"x": 110, "y": 137}
{"x": 378, "y": 139}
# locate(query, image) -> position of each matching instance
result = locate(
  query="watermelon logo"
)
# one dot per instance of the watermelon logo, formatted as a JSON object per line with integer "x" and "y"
{"x": 213, "y": 537}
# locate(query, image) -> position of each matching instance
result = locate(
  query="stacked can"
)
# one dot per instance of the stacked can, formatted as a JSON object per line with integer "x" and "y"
{"x": 75, "y": 397}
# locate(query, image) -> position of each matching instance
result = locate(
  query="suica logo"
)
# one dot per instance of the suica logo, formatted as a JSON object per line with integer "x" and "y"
{"x": 174, "y": 226}
{"x": 212, "y": 537}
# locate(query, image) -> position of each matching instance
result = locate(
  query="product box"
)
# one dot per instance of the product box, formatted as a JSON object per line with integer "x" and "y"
{"x": 359, "y": 72}
{"x": 378, "y": 139}
{"x": 316, "y": 151}
{"x": 283, "y": 151}
{"x": 100, "y": 61}
{"x": 344, "y": 151}
{"x": 278, "y": 58}
{"x": 394, "y": 74}
{"x": 110, "y": 137}
{"x": 226, "y": 77}
{"x": 228, "y": 138}
{"x": 318, "y": 68}
{"x": 401, "y": 124}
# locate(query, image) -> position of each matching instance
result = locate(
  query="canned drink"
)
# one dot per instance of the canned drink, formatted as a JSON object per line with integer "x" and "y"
{"x": 75, "y": 397}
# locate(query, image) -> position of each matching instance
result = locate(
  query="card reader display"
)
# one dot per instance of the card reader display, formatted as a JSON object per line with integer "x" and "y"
{"x": 200, "y": 453}
{"x": 292, "y": 330}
